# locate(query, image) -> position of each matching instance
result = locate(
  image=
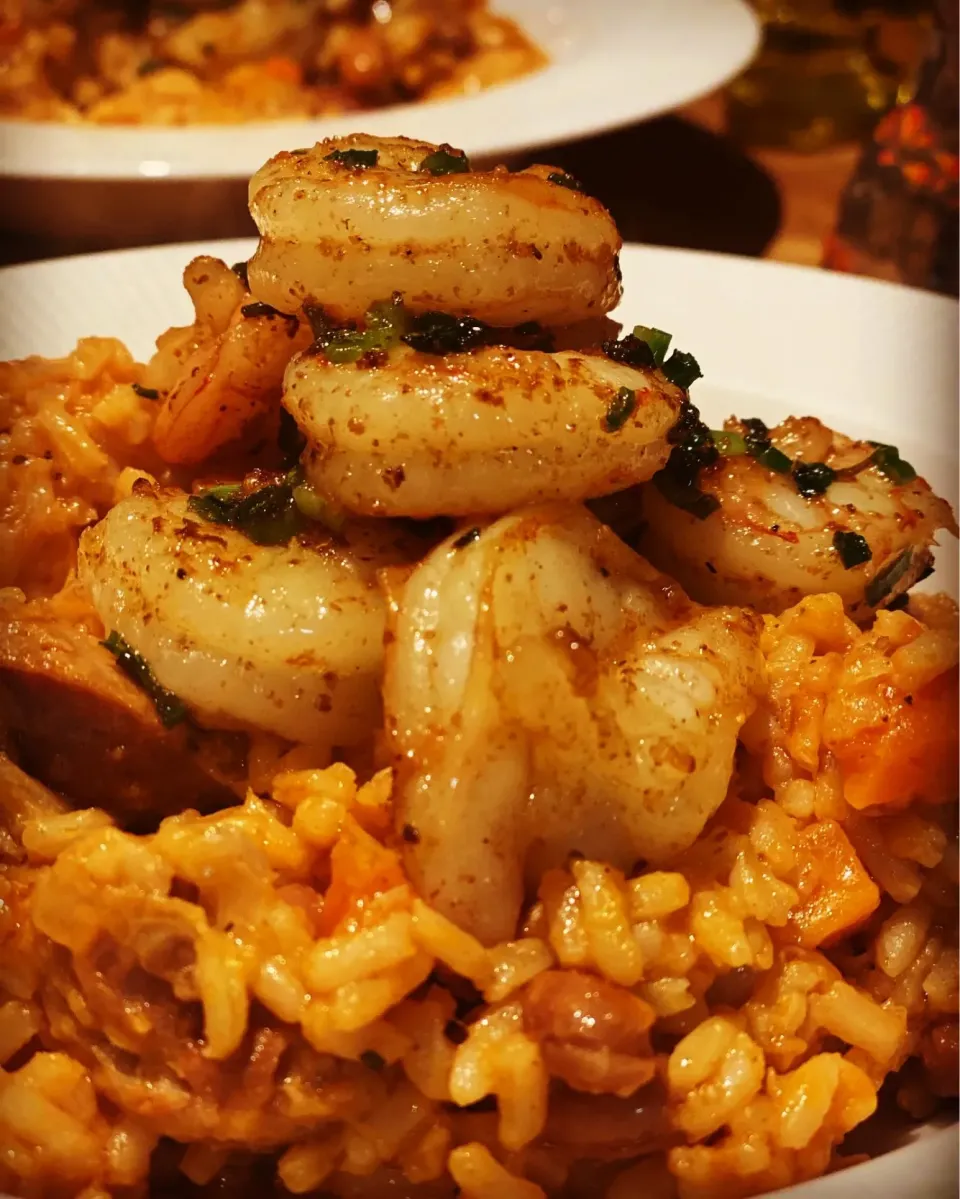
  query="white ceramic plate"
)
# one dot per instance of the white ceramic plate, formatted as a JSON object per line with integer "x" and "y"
{"x": 875, "y": 360}
{"x": 611, "y": 62}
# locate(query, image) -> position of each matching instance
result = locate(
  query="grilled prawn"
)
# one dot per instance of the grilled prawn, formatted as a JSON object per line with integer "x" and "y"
{"x": 547, "y": 691}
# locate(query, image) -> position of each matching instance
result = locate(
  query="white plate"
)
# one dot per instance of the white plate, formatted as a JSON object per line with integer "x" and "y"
{"x": 611, "y": 62}
{"x": 874, "y": 359}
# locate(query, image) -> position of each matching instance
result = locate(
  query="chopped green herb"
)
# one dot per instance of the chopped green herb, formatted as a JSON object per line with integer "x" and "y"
{"x": 773, "y": 459}
{"x": 561, "y": 179}
{"x": 267, "y": 516}
{"x": 685, "y": 494}
{"x": 441, "y": 333}
{"x": 355, "y": 159}
{"x": 656, "y": 339}
{"x": 385, "y": 323}
{"x": 146, "y": 393}
{"x": 150, "y": 66}
{"x": 240, "y": 270}
{"x": 372, "y": 1060}
{"x": 631, "y": 351}
{"x": 682, "y": 369}
{"x": 887, "y": 460}
{"x": 756, "y": 437}
{"x": 315, "y": 507}
{"x": 883, "y": 583}
{"x": 730, "y": 445}
{"x": 812, "y": 478}
{"x": 446, "y": 161}
{"x": 620, "y": 409}
{"x": 170, "y": 709}
{"x": 318, "y": 319}
{"x": 852, "y": 548}
{"x": 216, "y": 504}
{"x": 693, "y": 450}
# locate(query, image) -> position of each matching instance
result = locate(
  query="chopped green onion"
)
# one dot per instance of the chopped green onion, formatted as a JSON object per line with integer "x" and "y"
{"x": 216, "y": 504}
{"x": 730, "y": 445}
{"x": 170, "y": 708}
{"x": 631, "y": 351}
{"x": 316, "y": 508}
{"x": 852, "y": 548}
{"x": 620, "y": 409}
{"x": 354, "y": 158}
{"x": 656, "y": 339}
{"x": 446, "y": 161}
{"x": 682, "y": 369}
{"x": 684, "y": 493}
{"x": 887, "y": 460}
{"x": 146, "y": 393}
{"x": 441, "y": 333}
{"x": 267, "y": 516}
{"x": 812, "y": 478}
{"x": 883, "y": 583}
{"x": 389, "y": 316}
{"x": 386, "y": 323}
{"x": 772, "y": 458}
{"x": 561, "y": 179}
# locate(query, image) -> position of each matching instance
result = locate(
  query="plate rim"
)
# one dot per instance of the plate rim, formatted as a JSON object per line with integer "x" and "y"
{"x": 36, "y": 151}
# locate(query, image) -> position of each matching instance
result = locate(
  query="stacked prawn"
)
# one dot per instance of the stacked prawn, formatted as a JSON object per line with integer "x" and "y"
{"x": 543, "y": 688}
{"x": 446, "y": 312}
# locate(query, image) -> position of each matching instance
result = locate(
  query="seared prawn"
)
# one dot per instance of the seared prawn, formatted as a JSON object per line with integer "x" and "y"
{"x": 355, "y": 219}
{"x": 797, "y": 510}
{"x": 548, "y": 691}
{"x": 216, "y": 376}
{"x": 282, "y": 638}
{"x": 417, "y": 434}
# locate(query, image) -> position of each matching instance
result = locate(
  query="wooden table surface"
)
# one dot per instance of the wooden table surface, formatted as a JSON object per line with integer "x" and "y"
{"x": 675, "y": 180}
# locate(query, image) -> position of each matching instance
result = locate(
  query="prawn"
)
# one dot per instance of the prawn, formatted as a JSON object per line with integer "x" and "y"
{"x": 216, "y": 376}
{"x": 482, "y": 431}
{"x": 286, "y": 639}
{"x": 355, "y": 219}
{"x": 798, "y": 510}
{"x": 547, "y": 690}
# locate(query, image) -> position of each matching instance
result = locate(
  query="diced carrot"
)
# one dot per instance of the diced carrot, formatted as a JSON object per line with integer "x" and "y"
{"x": 912, "y": 756}
{"x": 283, "y": 69}
{"x": 360, "y": 869}
{"x": 836, "y": 892}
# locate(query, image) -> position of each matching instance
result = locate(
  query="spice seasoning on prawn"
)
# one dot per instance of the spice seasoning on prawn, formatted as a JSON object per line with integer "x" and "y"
{"x": 171, "y": 710}
{"x": 145, "y": 393}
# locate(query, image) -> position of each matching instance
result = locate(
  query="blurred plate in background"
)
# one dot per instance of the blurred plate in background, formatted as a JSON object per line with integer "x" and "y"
{"x": 612, "y": 62}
